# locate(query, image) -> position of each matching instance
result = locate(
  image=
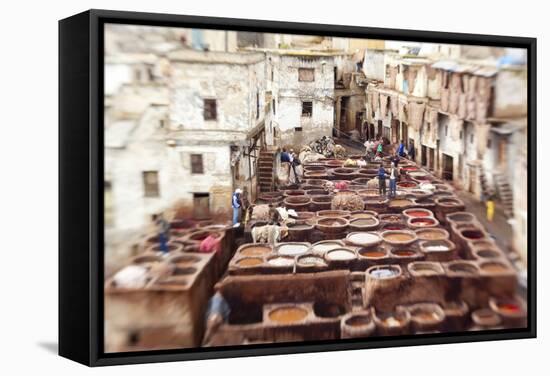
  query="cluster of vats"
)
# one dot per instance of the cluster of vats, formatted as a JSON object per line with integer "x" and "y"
{"x": 409, "y": 264}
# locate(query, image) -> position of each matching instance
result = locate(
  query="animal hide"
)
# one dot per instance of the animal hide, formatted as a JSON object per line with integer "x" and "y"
{"x": 260, "y": 212}
{"x": 347, "y": 201}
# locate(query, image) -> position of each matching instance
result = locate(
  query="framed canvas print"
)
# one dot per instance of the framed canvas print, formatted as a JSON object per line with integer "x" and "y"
{"x": 236, "y": 187}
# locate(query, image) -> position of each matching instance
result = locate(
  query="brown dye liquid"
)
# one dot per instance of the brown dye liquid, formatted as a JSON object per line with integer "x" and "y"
{"x": 426, "y": 316}
{"x": 431, "y": 235}
{"x": 332, "y": 222}
{"x": 404, "y": 253}
{"x": 299, "y": 227}
{"x": 364, "y": 222}
{"x": 250, "y": 262}
{"x": 392, "y": 218}
{"x": 399, "y": 237}
{"x": 254, "y": 251}
{"x": 288, "y": 315}
{"x": 374, "y": 254}
{"x": 494, "y": 268}
{"x": 358, "y": 321}
{"x": 400, "y": 202}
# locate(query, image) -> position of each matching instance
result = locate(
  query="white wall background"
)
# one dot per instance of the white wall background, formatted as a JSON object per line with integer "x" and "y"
{"x": 28, "y": 147}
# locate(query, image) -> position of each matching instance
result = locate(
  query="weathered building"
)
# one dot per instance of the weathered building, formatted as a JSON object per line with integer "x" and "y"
{"x": 462, "y": 108}
{"x": 301, "y": 87}
{"x": 217, "y": 115}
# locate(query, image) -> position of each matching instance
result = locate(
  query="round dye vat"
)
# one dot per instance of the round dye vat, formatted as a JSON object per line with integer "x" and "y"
{"x": 418, "y": 213}
{"x": 432, "y": 234}
{"x": 392, "y": 218}
{"x": 392, "y": 322}
{"x": 462, "y": 267}
{"x": 340, "y": 255}
{"x": 287, "y": 315}
{"x": 255, "y": 251}
{"x": 332, "y": 222}
{"x": 400, "y": 203}
{"x": 292, "y": 249}
{"x": 383, "y": 272}
{"x": 422, "y": 222}
{"x": 281, "y": 261}
{"x": 359, "y": 320}
{"x": 409, "y": 168}
{"x": 184, "y": 259}
{"x": 487, "y": 253}
{"x": 407, "y": 184}
{"x": 364, "y": 221}
{"x": 250, "y": 261}
{"x": 425, "y": 315}
{"x": 147, "y": 260}
{"x": 425, "y": 268}
{"x": 436, "y": 248}
{"x": 311, "y": 261}
{"x": 399, "y": 236}
{"x": 509, "y": 308}
{"x": 363, "y": 214}
{"x": 363, "y": 238}
{"x": 494, "y": 267}
{"x": 333, "y": 213}
{"x": 472, "y": 234}
{"x": 460, "y": 217}
{"x": 394, "y": 226}
{"x": 200, "y": 235}
{"x": 485, "y": 318}
{"x": 404, "y": 253}
{"x": 372, "y": 253}
{"x": 326, "y": 246}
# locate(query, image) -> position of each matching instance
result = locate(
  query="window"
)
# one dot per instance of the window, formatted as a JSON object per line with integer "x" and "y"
{"x": 471, "y": 138}
{"x": 210, "y": 111}
{"x": 151, "y": 183}
{"x": 446, "y": 130}
{"x": 488, "y": 143}
{"x": 197, "y": 166}
{"x": 461, "y": 134}
{"x": 306, "y": 74}
{"x": 297, "y": 129}
{"x": 307, "y": 109}
{"x": 161, "y": 123}
{"x": 257, "y": 105}
{"x": 274, "y": 109}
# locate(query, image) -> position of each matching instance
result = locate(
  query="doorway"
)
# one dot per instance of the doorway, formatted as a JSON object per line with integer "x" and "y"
{"x": 447, "y": 167}
{"x": 472, "y": 179}
{"x": 201, "y": 205}
{"x": 423, "y": 156}
{"x": 405, "y": 133}
{"x": 431, "y": 158}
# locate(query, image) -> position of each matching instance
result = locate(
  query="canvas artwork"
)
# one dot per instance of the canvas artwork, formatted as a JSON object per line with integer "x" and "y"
{"x": 273, "y": 188}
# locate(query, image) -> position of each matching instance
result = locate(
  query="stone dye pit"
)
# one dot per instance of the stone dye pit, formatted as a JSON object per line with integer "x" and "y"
{"x": 413, "y": 264}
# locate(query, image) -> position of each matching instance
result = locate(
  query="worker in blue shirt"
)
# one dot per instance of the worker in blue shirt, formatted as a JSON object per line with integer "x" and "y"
{"x": 236, "y": 203}
{"x": 401, "y": 149}
{"x": 381, "y": 180}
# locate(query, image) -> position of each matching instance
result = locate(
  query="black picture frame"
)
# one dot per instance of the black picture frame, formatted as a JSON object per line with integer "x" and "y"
{"x": 81, "y": 185}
